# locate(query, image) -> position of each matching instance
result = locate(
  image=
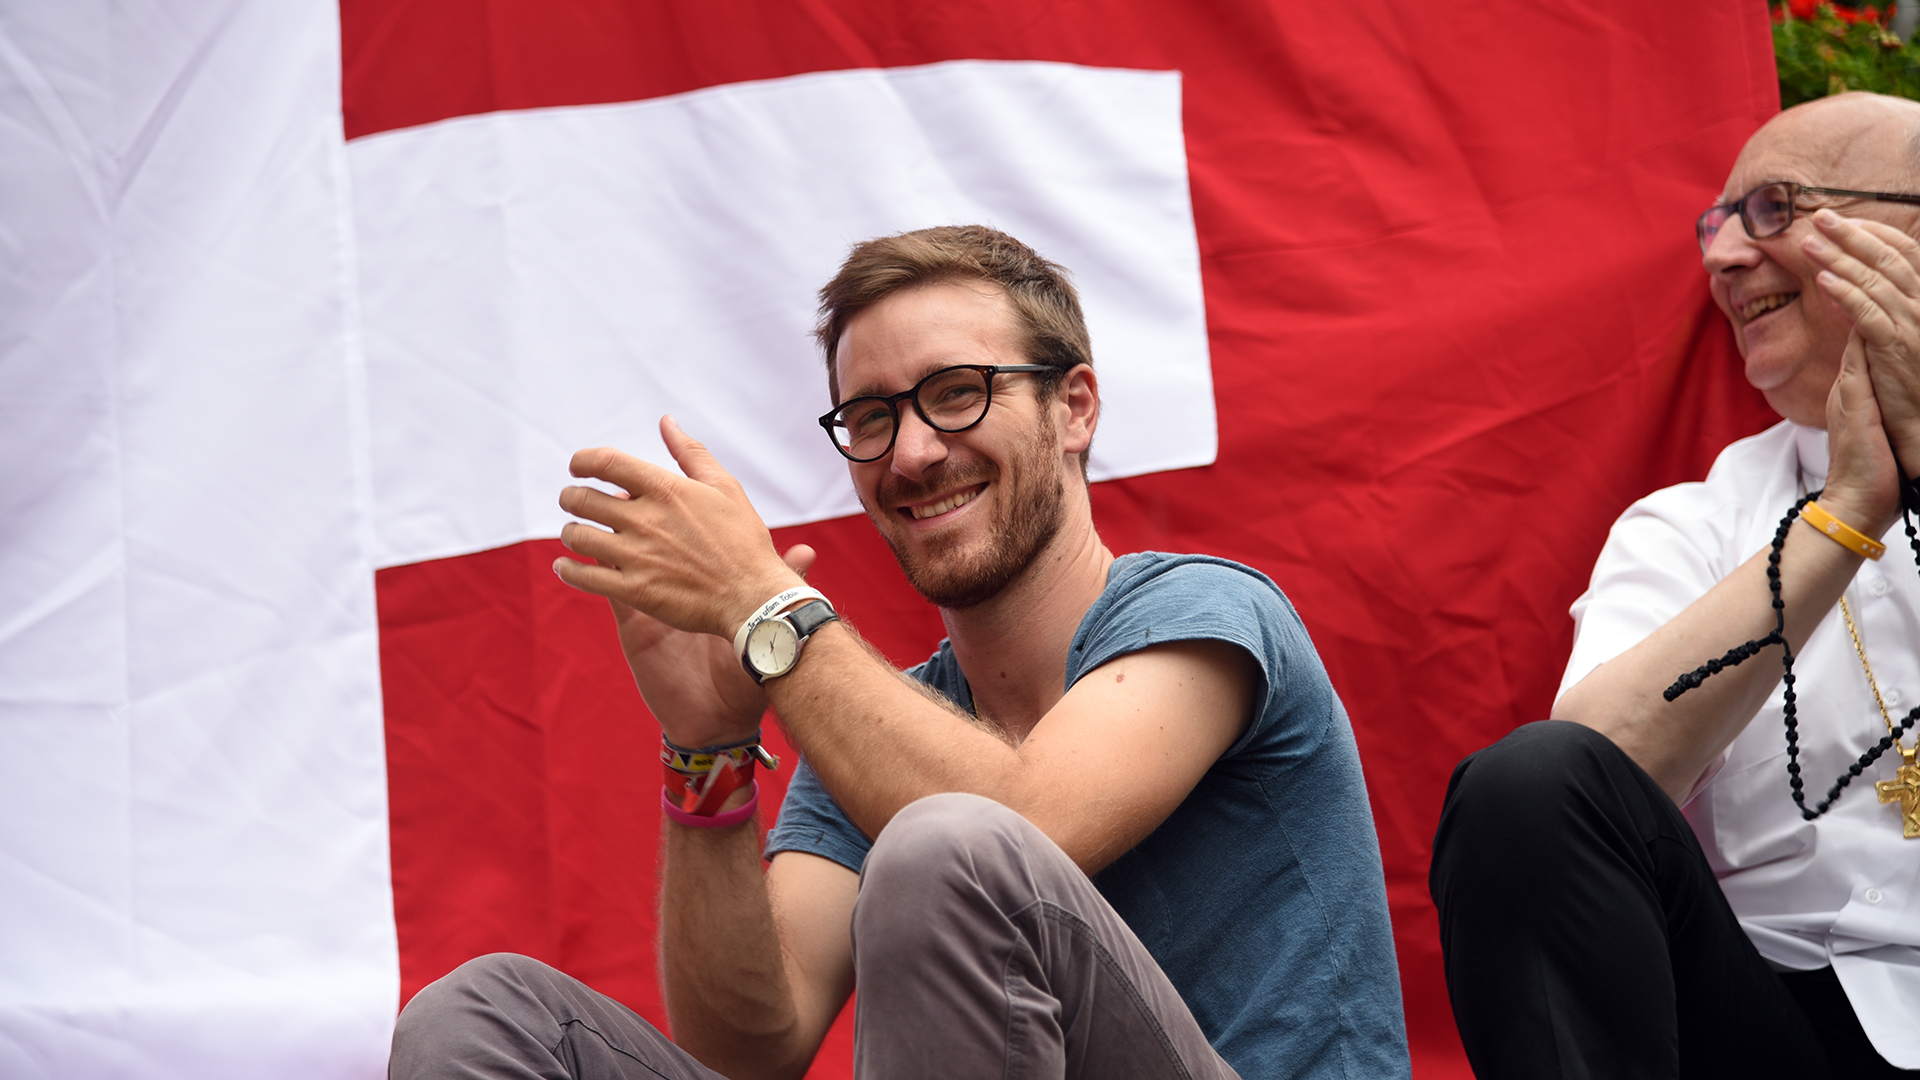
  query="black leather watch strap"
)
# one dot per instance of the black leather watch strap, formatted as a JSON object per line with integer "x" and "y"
{"x": 811, "y": 616}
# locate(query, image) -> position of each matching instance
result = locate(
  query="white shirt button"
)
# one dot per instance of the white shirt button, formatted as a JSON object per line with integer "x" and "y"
{"x": 1873, "y": 896}
{"x": 1891, "y": 697}
{"x": 1879, "y": 586}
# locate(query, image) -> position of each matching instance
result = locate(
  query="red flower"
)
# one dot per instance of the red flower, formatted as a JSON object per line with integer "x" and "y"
{"x": 1870, "y": 15}
{"x": 1810, "y": 10}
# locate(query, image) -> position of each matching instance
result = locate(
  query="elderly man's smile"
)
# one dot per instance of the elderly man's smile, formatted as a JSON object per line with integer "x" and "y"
{"x": 1753, "y": 309}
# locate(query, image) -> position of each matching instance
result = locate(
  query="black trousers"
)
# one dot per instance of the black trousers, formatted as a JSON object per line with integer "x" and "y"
{"x": 1585, "y": 935}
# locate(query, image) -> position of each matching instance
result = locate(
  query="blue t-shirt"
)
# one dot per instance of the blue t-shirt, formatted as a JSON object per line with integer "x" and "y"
{"x": 1261, "y": 896}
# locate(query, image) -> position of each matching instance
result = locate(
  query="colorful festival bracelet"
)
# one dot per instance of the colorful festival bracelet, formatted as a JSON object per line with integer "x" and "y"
{"x": 701, "y": 762}
{"x": 741, "y": 813}
{"x": 1842, "y": 533}
{"x": 699, "y": 780}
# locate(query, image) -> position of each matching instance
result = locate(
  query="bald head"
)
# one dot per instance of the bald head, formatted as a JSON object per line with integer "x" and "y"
{"x": 1869, "y": 142}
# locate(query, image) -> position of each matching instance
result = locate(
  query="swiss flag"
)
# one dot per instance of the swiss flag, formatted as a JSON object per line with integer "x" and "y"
{"x": 1453, "y": 322}
{"x": 1395, "y": 301}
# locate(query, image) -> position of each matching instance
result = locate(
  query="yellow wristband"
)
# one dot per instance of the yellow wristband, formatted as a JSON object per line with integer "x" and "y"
{"x": 1842, "y": 533}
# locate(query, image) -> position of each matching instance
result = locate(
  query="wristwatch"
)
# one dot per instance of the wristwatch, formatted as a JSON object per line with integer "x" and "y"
{"x": 770, "y": 644}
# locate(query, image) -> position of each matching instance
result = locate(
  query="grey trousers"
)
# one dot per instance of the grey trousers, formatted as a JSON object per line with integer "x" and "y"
{"x": 980, "y": 950}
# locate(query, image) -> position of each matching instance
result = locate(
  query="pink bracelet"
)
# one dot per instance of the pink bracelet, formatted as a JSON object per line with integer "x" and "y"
{"x": 735, "y": 816}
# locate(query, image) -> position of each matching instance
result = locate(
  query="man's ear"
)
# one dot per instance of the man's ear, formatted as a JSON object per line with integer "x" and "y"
{"x": 1080, "y": 412}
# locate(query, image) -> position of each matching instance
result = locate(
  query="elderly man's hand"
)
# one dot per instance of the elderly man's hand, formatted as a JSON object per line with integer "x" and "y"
{"x": 1873, "y": 271}
{"x": 1863, "y": 486}
{"x": 687, "y": 550}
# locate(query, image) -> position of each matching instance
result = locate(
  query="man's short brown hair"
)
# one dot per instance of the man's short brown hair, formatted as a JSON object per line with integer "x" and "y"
{"x": 1046, "y": 307}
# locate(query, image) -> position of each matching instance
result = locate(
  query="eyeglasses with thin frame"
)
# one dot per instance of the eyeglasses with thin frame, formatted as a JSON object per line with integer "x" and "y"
{"x": 951, "y": 399}
{"x": 1768, "y": 209}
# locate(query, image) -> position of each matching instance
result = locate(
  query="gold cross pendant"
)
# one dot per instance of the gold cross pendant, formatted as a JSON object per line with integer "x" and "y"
{"x": 1904, "y": 788}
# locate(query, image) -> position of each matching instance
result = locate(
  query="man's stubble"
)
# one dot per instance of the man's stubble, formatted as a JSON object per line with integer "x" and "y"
{"x": 1025, "y": 524}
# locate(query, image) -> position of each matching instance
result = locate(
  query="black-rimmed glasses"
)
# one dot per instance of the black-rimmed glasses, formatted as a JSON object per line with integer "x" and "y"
{"x": 950, "y": 400}
{"x": 1768, "y": 209}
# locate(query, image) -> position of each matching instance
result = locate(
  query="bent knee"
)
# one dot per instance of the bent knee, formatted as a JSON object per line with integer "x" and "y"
{"x": 952, "y": 811}
{"x": 441, "y": 1023}
{"x": 942, "y": 841}
{"x": 1531, "y": 791}
{"x": 480, "y": 979}
{"x": 1535, "y": 765}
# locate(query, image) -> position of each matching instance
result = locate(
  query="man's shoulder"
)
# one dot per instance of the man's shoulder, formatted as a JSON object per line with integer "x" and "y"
{"x": 1745, "y": 474}
{"x": 1150, "y": 595}
{"x": 1761, "y": 457}
{"x": 1155, "y": 597}
{"x": 1669, "y": 548}
{"x": 1174, "y": 572}
{"x": 1192, "y": 586}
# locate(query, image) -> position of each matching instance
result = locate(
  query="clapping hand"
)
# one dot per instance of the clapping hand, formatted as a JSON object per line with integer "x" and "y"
{"x": 683, "y": 560}
{"x": 1872, "y": 270}
{"x": 693, "y": 683}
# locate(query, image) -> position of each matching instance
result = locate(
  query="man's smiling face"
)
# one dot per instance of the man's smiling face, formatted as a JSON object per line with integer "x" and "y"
{"x": 1790, "y": 332}
{"x": 965, "y": 513}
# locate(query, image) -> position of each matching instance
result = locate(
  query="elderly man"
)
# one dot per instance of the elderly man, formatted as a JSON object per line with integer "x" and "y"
{"x": 1159, "y": 722}
{"x": 1575, "y": 866}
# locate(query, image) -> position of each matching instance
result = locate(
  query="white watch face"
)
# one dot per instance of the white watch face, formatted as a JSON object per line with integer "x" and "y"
{"x": 772, "y": 647}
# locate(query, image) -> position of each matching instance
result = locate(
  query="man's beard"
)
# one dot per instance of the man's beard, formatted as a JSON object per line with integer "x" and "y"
{"x": 1029, "y": 519}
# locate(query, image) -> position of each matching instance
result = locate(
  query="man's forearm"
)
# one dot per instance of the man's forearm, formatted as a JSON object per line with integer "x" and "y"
{"x": 879, "y": 742}
{"x": 1676, "y": 740}
{"x": 1097, "y": 771}
{"x": 726, "y": 986}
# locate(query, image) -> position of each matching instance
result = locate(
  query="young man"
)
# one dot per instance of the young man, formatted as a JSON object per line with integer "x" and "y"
{"x": 1587, "y": 932}
{"x": 1159, "y": 722}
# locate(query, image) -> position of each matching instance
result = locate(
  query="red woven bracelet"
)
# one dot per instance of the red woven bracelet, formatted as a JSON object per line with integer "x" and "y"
{"x": 700, "y": 780}
{"x": 743, "y": 812}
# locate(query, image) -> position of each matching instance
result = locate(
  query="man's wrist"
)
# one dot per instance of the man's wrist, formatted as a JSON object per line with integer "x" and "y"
{"x": 748, "y": 602}
{"x": 1837, "y": 530}
{"x": 1868, "y": 516}
{"x": 704, "y": 782}
{"x": 787, "y": 598}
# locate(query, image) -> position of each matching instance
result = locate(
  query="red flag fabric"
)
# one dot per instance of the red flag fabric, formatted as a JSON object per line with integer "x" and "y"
{"x": 1456, "y": 324}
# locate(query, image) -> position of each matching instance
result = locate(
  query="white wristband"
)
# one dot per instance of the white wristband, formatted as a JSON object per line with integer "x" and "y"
{"x": 798, "y": 592}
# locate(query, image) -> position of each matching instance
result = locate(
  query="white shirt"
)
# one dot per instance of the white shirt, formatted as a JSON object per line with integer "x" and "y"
{"x": 1842, "y": 890}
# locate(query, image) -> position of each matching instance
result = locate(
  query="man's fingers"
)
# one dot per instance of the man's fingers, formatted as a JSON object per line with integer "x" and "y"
{"x": 620, "y": 469}
{"x": 597, "y": 544}
{"x": 1853, "y": 391}
{"x": 1869, "y": 317}
{"x": 1851, "y": 406}
{"x": 693, "y": 457}
{"x": 1888, "y": 249}
{"x": 585, "y": 502}
{"x": 1882, "y": 261}
{"x": 1871, "y": 280}
{"x": 1855, "y": 376}
{"x": 799, "y": 558}
{"x": 599, "y": 580}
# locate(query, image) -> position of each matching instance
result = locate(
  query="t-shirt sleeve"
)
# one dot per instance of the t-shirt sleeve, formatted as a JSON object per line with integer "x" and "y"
{"x": 812, "y": 822}
{"x": 1664, "y": 553}
{"x": 1202, "y": 601}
